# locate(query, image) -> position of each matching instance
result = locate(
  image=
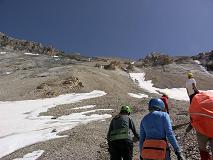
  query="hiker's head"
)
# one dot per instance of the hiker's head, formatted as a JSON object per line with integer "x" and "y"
{"x": 125, "y": 109}
{"x": 190, "y": 75}
{"x": 156, "y": 104}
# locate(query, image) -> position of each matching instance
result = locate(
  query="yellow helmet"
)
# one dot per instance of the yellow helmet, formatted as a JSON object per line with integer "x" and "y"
{"x": 190, "y": 74}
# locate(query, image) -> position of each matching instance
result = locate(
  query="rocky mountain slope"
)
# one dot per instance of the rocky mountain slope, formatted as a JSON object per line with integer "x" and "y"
{"x": 9, "y": 43}
{"x": 43, "y": 75}
{"x": 206, "y": 59}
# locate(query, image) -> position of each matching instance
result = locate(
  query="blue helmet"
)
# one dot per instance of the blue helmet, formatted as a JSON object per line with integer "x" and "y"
{"x": 156, "y": 104}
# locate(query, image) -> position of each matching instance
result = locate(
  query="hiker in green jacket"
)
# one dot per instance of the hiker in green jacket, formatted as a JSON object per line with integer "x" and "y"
{"x": 119, "y": 137}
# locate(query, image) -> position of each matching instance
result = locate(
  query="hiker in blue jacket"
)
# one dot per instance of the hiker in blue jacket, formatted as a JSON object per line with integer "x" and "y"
{"x": 156, "y": 125}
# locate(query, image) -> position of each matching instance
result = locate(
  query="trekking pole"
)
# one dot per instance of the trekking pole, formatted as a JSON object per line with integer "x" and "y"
{"x": 180, "y": 125}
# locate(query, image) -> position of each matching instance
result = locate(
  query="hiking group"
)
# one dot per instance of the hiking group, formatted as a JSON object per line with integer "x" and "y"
{"x": 156, "y": 128}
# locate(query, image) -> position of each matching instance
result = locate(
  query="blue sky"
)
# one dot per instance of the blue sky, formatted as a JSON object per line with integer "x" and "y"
{"x": 124, "y": 28}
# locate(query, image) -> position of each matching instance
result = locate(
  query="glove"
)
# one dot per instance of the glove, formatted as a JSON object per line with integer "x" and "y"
{"x": 179, "y": 155}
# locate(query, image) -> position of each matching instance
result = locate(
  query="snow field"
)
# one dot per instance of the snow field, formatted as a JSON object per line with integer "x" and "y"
{"x": 175, "y": 93}
{"x": 21, "y": 126}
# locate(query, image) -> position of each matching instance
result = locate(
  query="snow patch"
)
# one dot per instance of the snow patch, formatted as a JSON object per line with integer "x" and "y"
{"x": 84, "y": 107}
{"x": 140, "y": 95}
{"x": 32, "y": 54}
{"x": 31, "y": 156}
{"x": 139, "y": 78}
{"x": 21, "y": 126}
{"x": 3, "y": 53}
{"x": 105, "y": 74}
{"x": 8, "y": 73}
{"x": 175, "y": 93}
{"x": 196, "y": 61}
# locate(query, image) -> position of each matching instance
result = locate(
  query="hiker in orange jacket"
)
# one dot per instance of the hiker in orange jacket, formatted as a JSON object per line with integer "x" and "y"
{"x": 201, "y": 113}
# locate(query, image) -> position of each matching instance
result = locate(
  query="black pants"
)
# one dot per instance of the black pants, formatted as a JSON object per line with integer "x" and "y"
{"x": 121, "y": 149}
{"x": 191, "y": 97}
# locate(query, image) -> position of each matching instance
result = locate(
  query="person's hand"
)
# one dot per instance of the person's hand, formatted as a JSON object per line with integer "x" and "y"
{"x": 179, "y": 155}
{"x": 135, "y": 139}
{"x": 197, "y": 91}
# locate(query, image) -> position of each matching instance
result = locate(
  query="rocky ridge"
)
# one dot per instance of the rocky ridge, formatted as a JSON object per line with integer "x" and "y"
{"x": 9, "y": 43}
{"x": 206, "y": 59}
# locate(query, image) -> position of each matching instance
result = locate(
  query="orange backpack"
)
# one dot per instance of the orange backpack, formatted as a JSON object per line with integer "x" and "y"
{"x": 201, "y": 113}
{"x": 154, "y": 149}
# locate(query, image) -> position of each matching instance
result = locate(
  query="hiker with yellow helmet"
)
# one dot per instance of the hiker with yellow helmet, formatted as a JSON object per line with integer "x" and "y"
{"x": 191, "y": 86}
{"x": 119, "y": 138}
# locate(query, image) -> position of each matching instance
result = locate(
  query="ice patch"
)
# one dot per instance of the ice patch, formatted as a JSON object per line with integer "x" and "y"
{"x": 175, "y": 93}
{"x": 140, "y": 95}
{"x": 31, "y": 156}
{"x": 32, "y": 54}
{"x": 21, "y": 126}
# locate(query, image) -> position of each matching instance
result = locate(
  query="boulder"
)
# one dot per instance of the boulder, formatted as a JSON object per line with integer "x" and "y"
{"x": 155, "y": 59}
{"x": 113, "y": 65}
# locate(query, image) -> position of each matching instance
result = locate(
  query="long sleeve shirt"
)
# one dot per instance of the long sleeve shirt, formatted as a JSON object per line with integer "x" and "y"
{"x": 157, "y": 125}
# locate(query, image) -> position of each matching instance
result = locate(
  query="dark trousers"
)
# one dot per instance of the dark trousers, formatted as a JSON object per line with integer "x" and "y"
{"x": 202, "y": 144}
{"x": 121, "y": 149}
{"x": 191, "y": 97}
